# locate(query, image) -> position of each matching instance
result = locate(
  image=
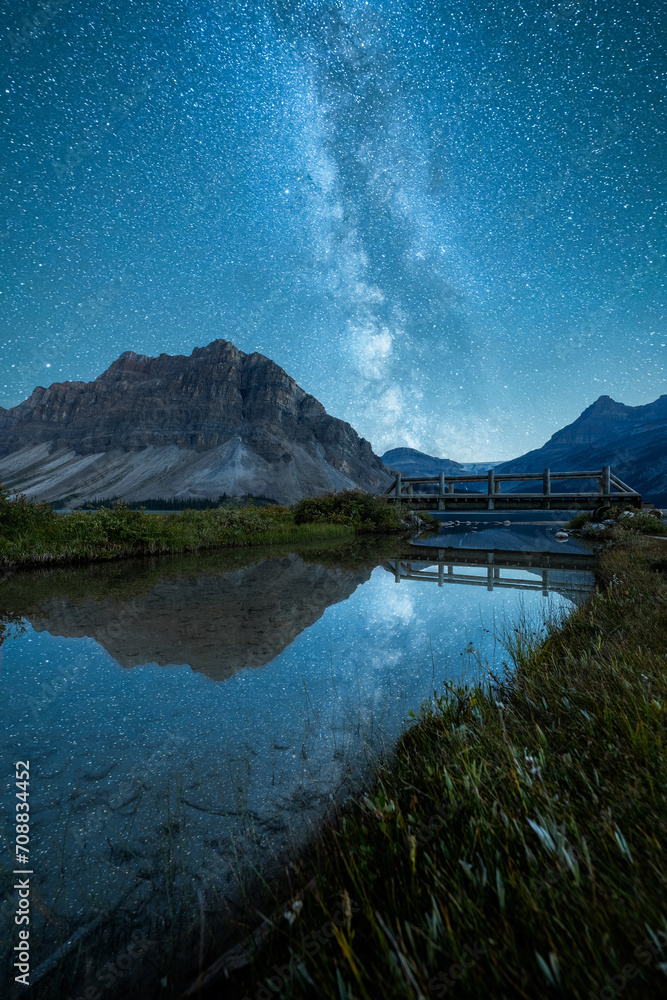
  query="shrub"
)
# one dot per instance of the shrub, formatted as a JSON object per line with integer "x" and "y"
{"x": 18, "y": 513}
{"x": 579, "y": 520}
{"x": 646, "y": 523}
{"x": 363, "y": 511}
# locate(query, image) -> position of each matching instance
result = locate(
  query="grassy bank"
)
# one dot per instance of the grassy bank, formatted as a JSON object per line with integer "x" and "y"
{"x": 33, "y": 534}
{"x": 515, "y": 847}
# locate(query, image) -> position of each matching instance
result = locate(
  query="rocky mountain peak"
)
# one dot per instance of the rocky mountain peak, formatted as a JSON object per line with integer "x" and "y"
{"x": 240, "y": 418}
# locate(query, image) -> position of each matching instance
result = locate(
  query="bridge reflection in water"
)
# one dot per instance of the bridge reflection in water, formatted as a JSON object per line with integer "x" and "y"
{"x": 566, "y": 574}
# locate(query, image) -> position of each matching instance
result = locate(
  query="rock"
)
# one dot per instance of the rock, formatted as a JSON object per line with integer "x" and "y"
{"x": 561, "y": 536}
{"x": 608, "y": 521}
{"x": 218, "y": 421}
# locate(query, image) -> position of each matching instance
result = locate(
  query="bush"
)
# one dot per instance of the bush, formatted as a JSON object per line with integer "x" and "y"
{"x": 579, "y": 520}
{"x": 18, "y": 513}
{"x": 646, "y": 523}
{"x": 363, "y": 511}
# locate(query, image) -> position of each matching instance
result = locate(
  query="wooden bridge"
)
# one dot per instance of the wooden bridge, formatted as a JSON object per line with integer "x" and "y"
{"x": 481, "y": 568}
{"x": 440, "y": 492}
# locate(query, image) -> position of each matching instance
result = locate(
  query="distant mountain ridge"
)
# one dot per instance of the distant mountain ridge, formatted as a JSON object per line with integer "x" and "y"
{"x": 411, "y": 462}
{"x": 632, "y": 439}
{"x": 416, "y": 463}
{"x": 217, "y": 421}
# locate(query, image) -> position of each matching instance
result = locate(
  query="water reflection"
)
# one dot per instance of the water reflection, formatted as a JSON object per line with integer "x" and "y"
{"x": 217, "y": 623}
{"x": 286, "y": 675}
{"x": 568, "y": 573}
{"x": 513, "y": 536}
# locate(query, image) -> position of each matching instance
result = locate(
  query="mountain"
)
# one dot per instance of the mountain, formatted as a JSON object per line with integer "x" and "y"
{"x": 632, "y": 439}
{"x": 479, "y": 467}
{"x": 416, "y": 463}
{"x": 218, "y": 421}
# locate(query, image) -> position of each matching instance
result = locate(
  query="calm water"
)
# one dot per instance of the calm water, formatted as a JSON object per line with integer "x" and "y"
{"x": 189, "y": 720}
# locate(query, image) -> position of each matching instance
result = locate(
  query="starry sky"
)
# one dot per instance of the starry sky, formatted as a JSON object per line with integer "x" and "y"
{"x": 445, "y": 220}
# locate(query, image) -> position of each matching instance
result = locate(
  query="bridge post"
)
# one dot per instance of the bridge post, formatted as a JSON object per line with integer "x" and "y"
{"x": 491, "y": 490}
{"x": 399, "y": 487}
{"x": 546, "y": 487}
{"x": 441, "y": 491}
{"x": 606, "y": 479}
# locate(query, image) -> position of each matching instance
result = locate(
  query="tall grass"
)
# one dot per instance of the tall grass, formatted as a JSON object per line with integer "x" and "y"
{"x": 32, "y": 534}
{"x": 516, "y": 845}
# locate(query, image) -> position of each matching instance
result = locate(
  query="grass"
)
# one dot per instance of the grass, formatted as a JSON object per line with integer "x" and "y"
{"x": 33, "y": 534}
{"x": 515, "y": 845}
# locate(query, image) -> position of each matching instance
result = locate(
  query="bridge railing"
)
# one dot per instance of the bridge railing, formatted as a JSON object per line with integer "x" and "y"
{"x": 610, "y": 487}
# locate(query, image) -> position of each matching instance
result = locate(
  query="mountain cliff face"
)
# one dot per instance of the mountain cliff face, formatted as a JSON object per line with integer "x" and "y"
{"x": 632, "y": 439}
{"x": 218, "y": 421}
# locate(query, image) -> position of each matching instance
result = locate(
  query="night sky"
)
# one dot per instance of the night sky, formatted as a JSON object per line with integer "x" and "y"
{"x": 445, "y": 220}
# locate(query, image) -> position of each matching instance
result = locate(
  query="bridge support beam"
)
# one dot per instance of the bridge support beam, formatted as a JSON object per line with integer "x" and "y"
{"x": 441, "y": 491}
{"x": 546, "y": 488}
{"x": 492, "y": 489}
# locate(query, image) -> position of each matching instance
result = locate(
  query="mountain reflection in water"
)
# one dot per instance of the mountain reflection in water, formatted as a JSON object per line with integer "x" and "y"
{"x": 216, "y": 623}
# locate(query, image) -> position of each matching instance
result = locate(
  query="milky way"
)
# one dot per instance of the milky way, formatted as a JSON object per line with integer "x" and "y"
{"x": 445, "y": 220}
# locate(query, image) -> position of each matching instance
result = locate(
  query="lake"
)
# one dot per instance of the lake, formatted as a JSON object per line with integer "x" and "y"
{"x": 192, "y": 720}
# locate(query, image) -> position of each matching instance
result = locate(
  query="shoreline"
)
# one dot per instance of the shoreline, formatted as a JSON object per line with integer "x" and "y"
{"x": 505, "y": 823}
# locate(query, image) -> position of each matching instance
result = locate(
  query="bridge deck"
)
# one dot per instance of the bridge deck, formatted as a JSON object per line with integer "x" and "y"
{"x": 441, "y": 492}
